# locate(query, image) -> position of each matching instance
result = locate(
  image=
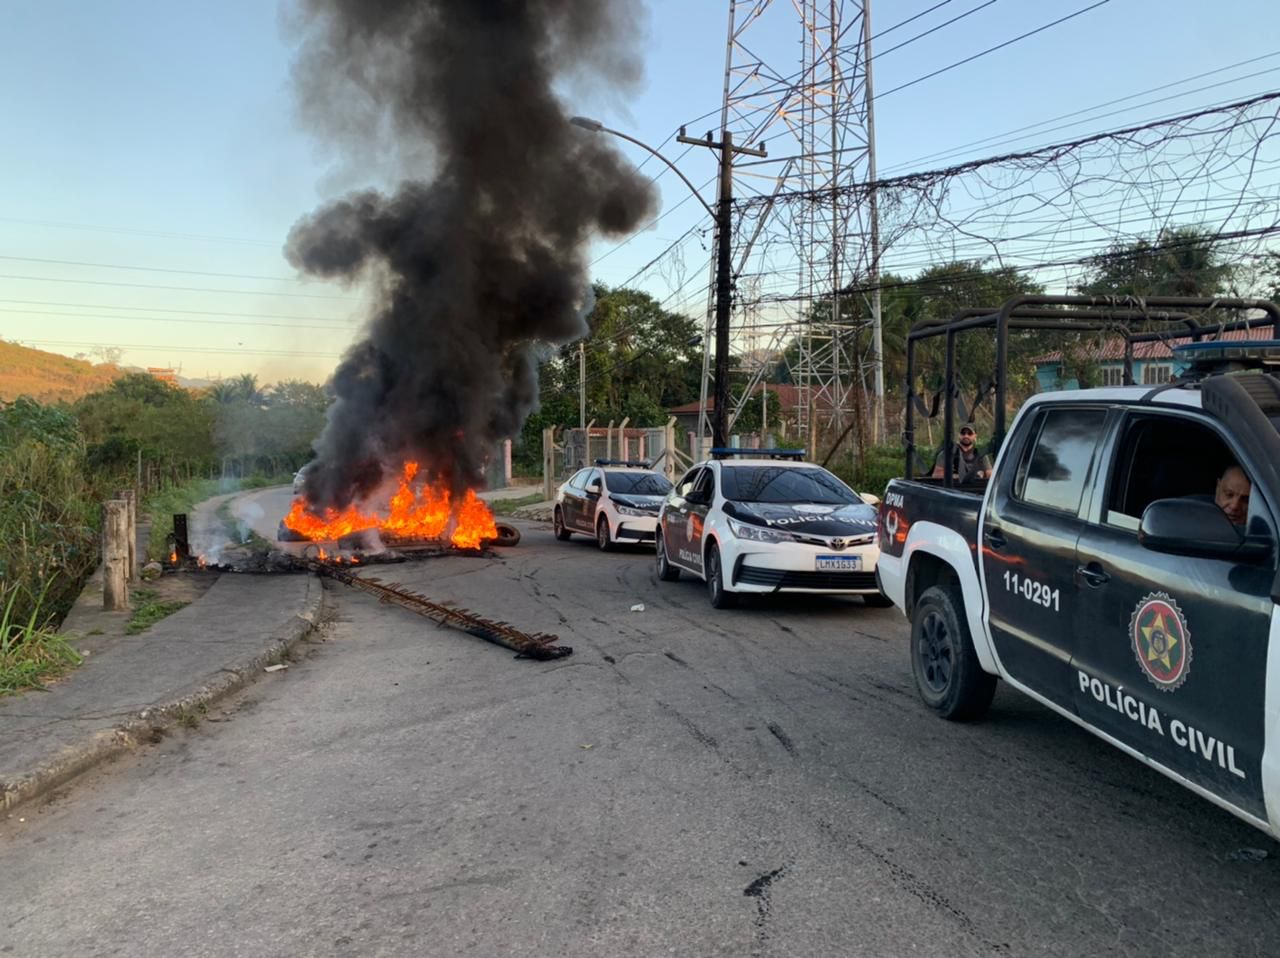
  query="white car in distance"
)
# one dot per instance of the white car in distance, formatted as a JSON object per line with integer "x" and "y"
{"x": 615, "y": 501}
{"x": 764, "y": 521}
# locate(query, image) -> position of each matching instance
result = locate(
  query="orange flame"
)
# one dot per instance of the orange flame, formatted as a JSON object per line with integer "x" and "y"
{"x": 423, "y": 514}
{"x": 475, "y": 523}
{"x": 173, "y": 558}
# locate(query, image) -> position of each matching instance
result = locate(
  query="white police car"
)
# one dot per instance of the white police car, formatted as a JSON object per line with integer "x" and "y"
{"x": 614, "y": 501}
{"x": 770, "y": 523}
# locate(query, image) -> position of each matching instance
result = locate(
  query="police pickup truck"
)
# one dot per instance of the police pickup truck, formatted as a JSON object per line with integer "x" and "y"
{"x": 1120, "y": 564}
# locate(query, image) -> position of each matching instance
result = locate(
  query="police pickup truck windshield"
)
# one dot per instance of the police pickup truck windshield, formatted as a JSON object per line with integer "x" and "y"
{"x": 778, "y": 484}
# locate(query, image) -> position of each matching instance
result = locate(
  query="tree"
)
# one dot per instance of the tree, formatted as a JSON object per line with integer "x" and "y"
{"x": 1180, "y": 261}
{"x": 172, "y": 427}
{"x": 938, "y": 292}
{"x": 640, "y": 360}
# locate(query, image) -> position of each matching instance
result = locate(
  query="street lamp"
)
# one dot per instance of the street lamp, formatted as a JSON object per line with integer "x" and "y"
{"x": 595, "y": 126}
{"x": 724, "y": 281}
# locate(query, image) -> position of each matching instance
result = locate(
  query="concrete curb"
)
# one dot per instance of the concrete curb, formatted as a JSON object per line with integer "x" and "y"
{"x": 541, "y": 512}
{"x": 151, "y": 722}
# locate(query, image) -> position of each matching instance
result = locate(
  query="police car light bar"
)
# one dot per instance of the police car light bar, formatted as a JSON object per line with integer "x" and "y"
{"x": 721, "y": 452}
{"x": 623, "y": 462}
{"x": 1201, "y": 359}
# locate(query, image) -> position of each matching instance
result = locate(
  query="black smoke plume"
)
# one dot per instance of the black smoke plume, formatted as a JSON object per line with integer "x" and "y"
{"x": 478, "y": 264}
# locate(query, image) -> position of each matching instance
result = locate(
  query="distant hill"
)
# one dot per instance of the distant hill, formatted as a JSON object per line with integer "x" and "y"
{"x": 48, "y": 377}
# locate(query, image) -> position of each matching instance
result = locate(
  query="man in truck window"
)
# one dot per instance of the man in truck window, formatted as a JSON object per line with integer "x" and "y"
{"x": 1232, "y": 494}
{"x": 967, "y": 464}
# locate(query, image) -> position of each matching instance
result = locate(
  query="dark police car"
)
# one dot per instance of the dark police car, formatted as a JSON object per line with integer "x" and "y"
{"x": 1111, "y": 568}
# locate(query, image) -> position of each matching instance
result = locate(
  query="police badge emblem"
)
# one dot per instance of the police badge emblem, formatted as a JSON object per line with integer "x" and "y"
{"x": 1161, "y": 641}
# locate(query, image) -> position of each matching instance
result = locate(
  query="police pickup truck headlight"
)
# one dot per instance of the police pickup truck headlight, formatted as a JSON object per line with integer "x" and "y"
{"x": 744, "y": 530}
{"x": 633, "y": 511}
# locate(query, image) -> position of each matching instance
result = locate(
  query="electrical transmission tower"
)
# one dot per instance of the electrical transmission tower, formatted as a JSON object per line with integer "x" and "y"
{"x": 794, "y": 261}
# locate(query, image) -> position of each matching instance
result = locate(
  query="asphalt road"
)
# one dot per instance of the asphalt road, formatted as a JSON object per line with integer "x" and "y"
{"x": 760, "y": 781}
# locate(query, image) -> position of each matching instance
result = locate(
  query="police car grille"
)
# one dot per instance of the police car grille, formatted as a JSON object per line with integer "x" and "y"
{"x": 779, "y": 578}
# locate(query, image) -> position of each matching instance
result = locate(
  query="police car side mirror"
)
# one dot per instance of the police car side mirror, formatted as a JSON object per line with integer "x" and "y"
{"x": 698, "y": 497}
{"x": 1192, "y": 527}
{"x": 593, "y": 487}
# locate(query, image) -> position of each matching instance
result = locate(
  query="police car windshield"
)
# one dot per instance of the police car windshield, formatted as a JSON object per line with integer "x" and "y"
{"x": 637, "y": 483}
{"x": 784, "y": 484}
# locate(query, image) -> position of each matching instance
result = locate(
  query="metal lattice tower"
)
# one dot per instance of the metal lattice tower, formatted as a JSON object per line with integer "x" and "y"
{"x": 792, "y": 259}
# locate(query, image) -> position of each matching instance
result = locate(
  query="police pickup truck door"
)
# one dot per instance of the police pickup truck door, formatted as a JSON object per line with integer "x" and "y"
{"x": 1172, "y": 650}
{"x": 1028, "y": 544}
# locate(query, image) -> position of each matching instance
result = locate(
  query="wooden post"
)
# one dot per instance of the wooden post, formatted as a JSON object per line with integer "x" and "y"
{"x": 131, "y": 500}
{"x": 115, "y": 556}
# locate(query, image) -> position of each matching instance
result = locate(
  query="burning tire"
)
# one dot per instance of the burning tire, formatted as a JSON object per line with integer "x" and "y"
{"x": 507, "y": 536}
{"x": 285, "y": 534}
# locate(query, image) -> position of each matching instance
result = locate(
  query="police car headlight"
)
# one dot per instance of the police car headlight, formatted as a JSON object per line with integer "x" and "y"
{"x": 632, "y": 511}
{"x": 744, "y": 530}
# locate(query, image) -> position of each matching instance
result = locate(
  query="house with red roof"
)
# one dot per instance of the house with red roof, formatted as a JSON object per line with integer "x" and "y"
{"x": 1153, "y": 363}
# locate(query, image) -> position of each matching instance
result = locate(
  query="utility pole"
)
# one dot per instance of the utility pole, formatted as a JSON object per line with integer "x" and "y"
{"x": 724, "y": 277}
{"x": 582, "y": 384}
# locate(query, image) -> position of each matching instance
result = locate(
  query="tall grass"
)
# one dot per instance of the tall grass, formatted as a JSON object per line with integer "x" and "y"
{"x": 48, "y": 539}
{"x": 49, "y": 513}
{"x": 30, "y": 652}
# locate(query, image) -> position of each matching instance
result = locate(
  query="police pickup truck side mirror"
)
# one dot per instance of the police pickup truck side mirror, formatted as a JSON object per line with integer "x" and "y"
{"x": 1192, "y": 527}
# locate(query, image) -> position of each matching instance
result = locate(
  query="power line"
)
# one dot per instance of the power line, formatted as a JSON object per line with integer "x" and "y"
{"x": 1002, "y": 137}
{"x": 969, "y": 165}
{"x": 256, "y": 324}
{"x": 178, "y": 289}
{"x": 150, "y": 269}
{"x": 186, "y": 349}
{"x": 648, "y": 226}
{"x": 137, "y": 232}
{"x": 165, "y": 309}
{"x": 998, "y": 46}
{"x": 903, "y": 23}
{"x": 921, "y": 36}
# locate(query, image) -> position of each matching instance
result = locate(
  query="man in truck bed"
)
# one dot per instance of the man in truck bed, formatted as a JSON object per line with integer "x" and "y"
{"x": 968, "y": 465}
{"x": 1094, "y": 574}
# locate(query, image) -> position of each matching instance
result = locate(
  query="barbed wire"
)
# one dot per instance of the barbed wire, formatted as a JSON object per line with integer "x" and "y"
{"x": 1053, "y": 208}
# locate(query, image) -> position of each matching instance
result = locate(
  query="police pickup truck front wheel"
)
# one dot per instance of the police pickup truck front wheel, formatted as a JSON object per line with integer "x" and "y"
{"x": 943, "y": 661}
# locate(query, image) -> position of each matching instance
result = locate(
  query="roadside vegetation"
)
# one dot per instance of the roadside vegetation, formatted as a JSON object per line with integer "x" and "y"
{"x": 149, "y": 608}
{"x": 506, "y": 507}
{"x": 60, "y": 461}
{"x": 48, "y": 544}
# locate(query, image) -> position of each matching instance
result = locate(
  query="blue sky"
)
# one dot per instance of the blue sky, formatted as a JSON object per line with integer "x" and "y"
{"x": 162, "y": 136}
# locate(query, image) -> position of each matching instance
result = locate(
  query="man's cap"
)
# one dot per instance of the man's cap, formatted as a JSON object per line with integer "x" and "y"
{"x": 967, "y": 428}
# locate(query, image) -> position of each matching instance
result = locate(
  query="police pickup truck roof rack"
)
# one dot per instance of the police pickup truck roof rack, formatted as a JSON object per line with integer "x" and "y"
{"x": 726, "y": 452}
{"x": 630, "y": 463}
{"x": 1133, "y": 319}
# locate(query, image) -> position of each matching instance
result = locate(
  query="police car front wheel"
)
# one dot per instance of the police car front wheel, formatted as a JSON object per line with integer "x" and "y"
{"x": 948, "y": 675}
{"x": 557, "y": 523}
{"x": 666, "y": 571}
{"x": 603, "y": 539}
{"x": 720, "y": 598}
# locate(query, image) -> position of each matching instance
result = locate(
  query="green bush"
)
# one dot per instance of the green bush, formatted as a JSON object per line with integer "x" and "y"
{"x": 881, "y": 464}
